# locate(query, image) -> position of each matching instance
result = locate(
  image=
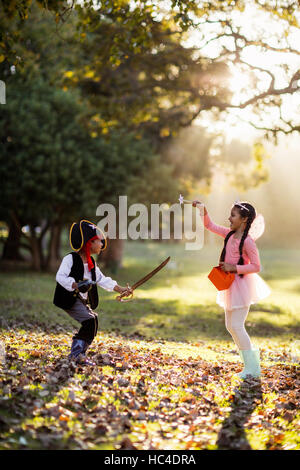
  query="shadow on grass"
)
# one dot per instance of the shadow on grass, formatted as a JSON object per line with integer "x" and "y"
{"x": 168, "y": 320}
{"x": 247, "y": 396}
{"x": 268, "y": 308}
{"x": 172, "y": 320}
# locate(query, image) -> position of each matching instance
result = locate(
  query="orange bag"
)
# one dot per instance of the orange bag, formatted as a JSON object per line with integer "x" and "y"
{"x": 221, "y": 279}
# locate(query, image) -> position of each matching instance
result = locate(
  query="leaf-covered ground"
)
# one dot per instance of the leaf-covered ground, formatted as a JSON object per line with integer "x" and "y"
{"x": 140, "y": 397}
{"x": 165, "y": 374}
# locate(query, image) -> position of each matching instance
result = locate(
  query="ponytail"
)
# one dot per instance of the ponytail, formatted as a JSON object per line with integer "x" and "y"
{"x": 222, "y": 257}
{"x": 248, "y": 225}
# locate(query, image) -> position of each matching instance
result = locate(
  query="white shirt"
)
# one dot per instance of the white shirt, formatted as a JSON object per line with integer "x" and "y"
{"x": 63, "y": 278}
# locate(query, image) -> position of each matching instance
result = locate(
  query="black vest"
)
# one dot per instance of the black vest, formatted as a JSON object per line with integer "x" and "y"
{"x": 65, "y": 299}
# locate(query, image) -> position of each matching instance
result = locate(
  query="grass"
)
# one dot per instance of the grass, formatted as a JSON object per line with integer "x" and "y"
{"x": 166, "y": 364}
{"x": 177, "y": 305}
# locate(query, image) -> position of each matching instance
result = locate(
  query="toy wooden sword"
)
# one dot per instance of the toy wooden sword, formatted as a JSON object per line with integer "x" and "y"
{"x": 146, "y": 278}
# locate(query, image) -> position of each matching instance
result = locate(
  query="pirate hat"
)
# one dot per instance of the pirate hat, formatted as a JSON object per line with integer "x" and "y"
{"x": 82, "y": 232}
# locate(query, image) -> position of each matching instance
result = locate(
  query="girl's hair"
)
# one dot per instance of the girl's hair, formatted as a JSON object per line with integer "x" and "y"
{"x": 251, "y": 214}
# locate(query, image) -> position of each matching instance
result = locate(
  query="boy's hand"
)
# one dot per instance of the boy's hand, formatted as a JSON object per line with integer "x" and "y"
{"x": 123, "y": 290}
{"x": 84, "y": 286}
{"x": 126, "y": 292}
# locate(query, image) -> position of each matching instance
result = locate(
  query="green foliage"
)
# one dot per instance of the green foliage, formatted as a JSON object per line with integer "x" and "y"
{"x": 131, "y": 168}
{"x": 189, "y": 152}
{"x": 187, "y": 10}
{"x": 142, "y": 77}
{"x": 21, "y": 8}
{"x": 63, "y": 172}
{"x": 62, "y": 167}
{"x": 14, "y": 15}
{"x": 244, "y": 166}
{"x": 43, "y": 139}
{"x": 144, "y": 81}
{"x": 37, "y": 46}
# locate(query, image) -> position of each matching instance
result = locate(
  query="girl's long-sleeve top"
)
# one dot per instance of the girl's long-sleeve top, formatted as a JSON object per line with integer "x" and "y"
{"x": 63, "y": 278}
{"x": 250, "y": 252}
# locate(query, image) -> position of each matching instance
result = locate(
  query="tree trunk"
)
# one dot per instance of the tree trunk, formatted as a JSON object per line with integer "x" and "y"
{"x": 58, "y": 244}
{"x": 53, "y": 257}
{"x": 11, "y": 250}
{"x": 113, "y": 255}
{"x": 36, "y": 260}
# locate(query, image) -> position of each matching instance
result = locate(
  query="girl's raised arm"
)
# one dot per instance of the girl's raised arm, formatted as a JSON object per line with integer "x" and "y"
{"x": 210, "y": 225}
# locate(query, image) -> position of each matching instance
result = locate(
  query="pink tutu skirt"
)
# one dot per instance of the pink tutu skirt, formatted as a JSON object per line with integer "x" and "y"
{"x": 244, "y": 291}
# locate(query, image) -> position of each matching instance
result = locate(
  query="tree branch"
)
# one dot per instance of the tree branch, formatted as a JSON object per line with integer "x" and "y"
{"x": 251, "y": 42}
{"x": 290, "y": 89}
{"x": 276, "y": 129}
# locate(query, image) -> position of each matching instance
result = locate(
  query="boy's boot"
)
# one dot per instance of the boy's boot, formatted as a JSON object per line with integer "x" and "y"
{"x": 87, "y": 361}
{"x": 251, "y": 361}
{"x": 78, "y": 349}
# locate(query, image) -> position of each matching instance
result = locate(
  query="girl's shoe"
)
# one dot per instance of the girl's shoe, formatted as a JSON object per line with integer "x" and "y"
{"x": 251, "y": 361}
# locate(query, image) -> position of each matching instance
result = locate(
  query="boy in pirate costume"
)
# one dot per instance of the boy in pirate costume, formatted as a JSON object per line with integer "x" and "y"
{"x": 77, "y": 298}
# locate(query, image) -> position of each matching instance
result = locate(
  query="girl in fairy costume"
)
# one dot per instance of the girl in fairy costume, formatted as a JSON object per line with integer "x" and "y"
{"x": 241, "y": 257}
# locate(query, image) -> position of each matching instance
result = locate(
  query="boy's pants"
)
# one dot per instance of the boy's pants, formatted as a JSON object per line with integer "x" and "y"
{"x": 88, "y": 319}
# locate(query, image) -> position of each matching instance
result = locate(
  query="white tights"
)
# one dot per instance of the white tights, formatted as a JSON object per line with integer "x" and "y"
{"x": 235, "y": 324}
